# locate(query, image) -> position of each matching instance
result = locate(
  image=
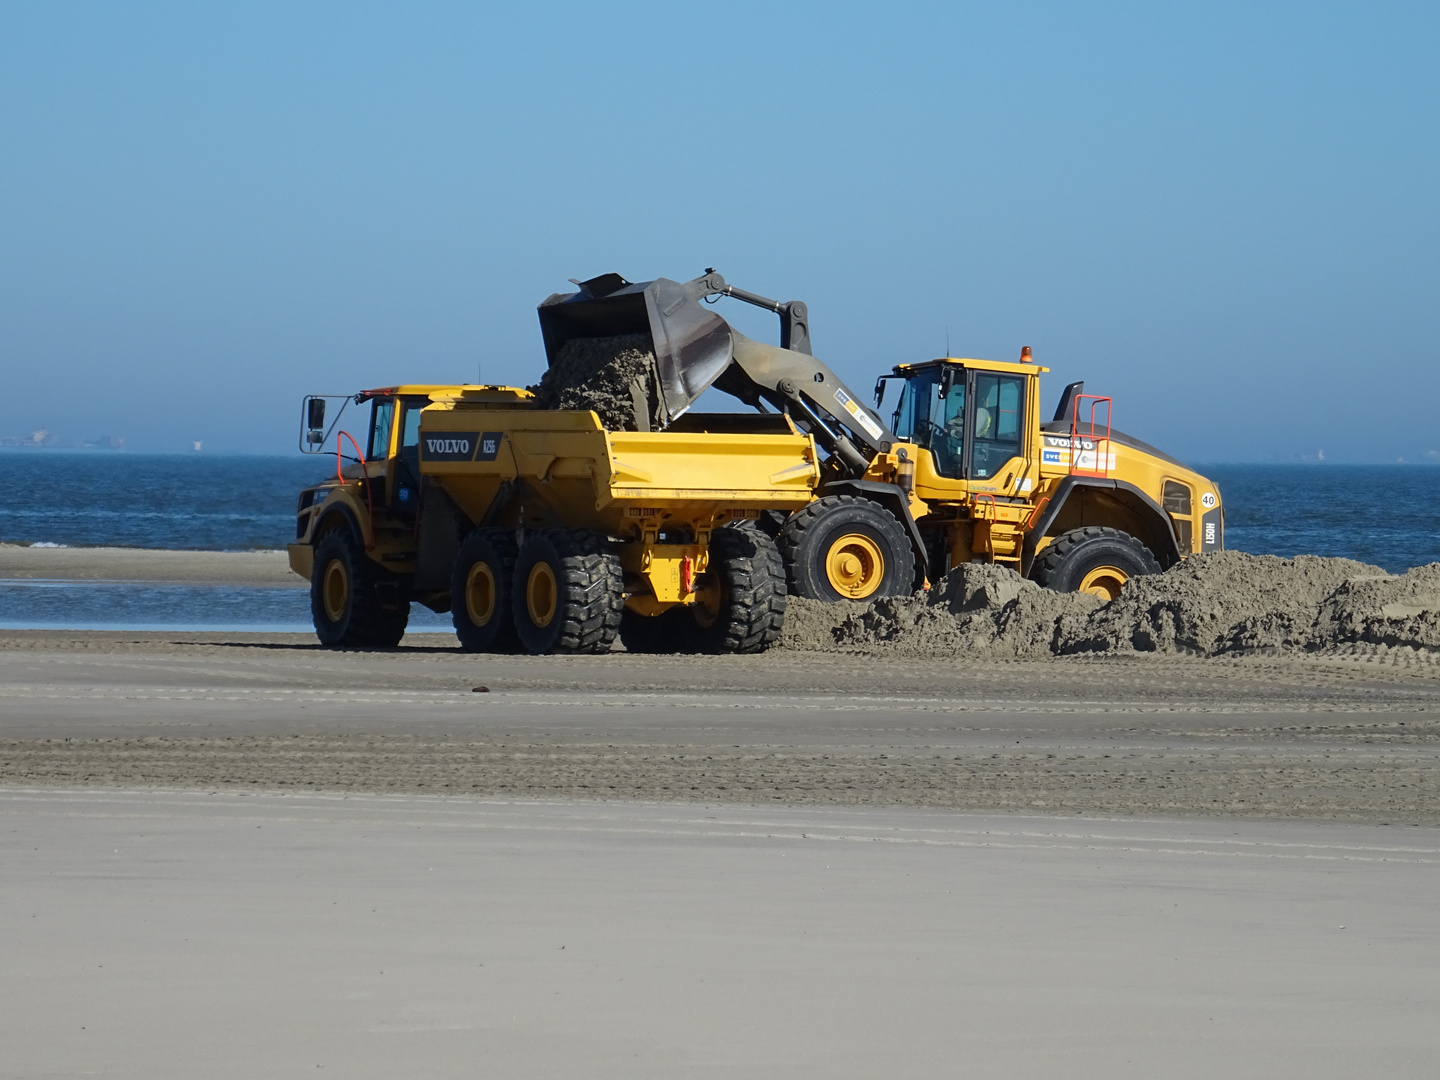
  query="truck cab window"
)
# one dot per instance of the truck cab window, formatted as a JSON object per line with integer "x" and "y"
{"x": 407, "y": 479}
{"x": 410, "y": 429}
{"x": 382, "y": 417}
{"x": 997, "y": 423}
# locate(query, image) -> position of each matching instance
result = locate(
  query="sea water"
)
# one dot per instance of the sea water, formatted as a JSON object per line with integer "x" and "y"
{"x": 1386, "y": 515}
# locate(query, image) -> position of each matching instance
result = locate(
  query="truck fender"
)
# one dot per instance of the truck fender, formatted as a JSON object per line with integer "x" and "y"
{"x": 898, "y": 504}
{"x": 1159, "y": 536}
{"x": 339, "y": 515}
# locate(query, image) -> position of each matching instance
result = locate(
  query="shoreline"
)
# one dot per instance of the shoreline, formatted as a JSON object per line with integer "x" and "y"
{"x": 147, "y": 566}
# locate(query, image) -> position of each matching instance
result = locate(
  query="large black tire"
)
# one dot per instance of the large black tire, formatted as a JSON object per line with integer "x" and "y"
{"x": 844, "y": 548}
{"x": 742, "y": 605}
{"x": 481, "y": 584}
{"x": 1094, "y": 559}
{"x": 568, "y": 592}
{"x": 353, "y": 602}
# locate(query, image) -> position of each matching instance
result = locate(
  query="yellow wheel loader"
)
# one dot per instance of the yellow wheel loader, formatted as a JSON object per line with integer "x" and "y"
{"x": 965, "y": 470}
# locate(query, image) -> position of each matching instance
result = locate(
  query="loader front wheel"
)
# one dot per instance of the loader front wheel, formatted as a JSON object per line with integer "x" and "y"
{"x": 480, "y": 587}
{"x": 353, "y": 602}
{"x": 567, "y": 592}
{"x": 1094, "y": 560}
{"x": 844, "y": 548}
{"x": 740, "y": 599}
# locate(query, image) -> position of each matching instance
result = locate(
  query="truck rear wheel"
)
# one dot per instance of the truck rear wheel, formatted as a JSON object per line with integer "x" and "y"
{"x": 844, "y": 548}
{"x": 480, "y": 592}
{"x": 348, "y": 601}
{"x": 568, "y": 592}
{"x": 1094, "y": 560}
{"x": 740, "y": 599}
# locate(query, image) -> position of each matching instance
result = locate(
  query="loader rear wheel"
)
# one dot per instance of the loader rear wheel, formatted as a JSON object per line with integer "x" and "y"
{"x": 740, "y": 599}
{"x": 1094, "y": 560}
{"x": 480, "y": 586}
{"x": 353, "y": 602}
{"x": 844, "y": 548}
{"x": 567, "y": 592}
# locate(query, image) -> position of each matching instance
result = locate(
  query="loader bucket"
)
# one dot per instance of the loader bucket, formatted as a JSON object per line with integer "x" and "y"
{"x": 692, "y": 344}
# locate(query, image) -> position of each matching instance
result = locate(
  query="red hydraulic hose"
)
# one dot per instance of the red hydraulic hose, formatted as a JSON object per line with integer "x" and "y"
{"x": 364, "y": 468}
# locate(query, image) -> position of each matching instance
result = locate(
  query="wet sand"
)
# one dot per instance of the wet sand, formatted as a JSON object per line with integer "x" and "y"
{"x": 135, "y": 565}
{"x": 244, "y": 855}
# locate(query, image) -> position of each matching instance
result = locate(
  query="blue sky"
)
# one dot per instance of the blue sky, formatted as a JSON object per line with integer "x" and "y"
{"x": 1223, "y": 215}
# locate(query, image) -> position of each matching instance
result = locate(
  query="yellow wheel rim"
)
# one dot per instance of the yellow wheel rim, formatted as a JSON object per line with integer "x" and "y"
{"x": 335, "y": 590}
{"x": 480, "y": 594}
{"x": 855, "y": 566}
{"x": 540, "y": 594}
{"x": 1104, "y": 582}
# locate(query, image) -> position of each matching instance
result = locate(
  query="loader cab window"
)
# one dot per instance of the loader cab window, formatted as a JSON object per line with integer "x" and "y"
{"x": 932, "y": 416}
{"x": 997, "y": 423}
{"x": 382, "y": 419}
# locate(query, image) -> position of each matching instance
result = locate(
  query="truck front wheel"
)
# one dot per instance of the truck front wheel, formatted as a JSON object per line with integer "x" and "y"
{"x": 568, "y": 592}
{"x": 480, "y": 586}
{"x": 353, "y": 602}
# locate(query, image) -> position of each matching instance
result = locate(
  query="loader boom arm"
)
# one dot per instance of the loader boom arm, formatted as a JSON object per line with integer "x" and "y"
{"x": 695, "y": 348}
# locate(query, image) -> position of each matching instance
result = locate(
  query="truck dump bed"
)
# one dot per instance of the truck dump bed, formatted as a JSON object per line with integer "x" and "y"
{"x": 547, "y": 468}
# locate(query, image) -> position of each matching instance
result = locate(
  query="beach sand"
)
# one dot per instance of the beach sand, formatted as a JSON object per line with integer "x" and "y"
{"x": 234, "y": 568}
{"x": 250, "y": 850}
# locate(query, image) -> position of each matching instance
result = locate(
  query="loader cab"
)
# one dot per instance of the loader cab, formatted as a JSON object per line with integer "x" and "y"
{"x": 972, "y": 417}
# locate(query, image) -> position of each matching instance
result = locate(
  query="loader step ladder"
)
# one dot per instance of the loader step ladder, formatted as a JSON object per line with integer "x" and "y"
{"x": 994, "y": 536}
{"x": 1090, "y": 453}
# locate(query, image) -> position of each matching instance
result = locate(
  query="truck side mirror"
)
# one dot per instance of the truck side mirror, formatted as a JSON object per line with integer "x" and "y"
{"x": 314, "y": 421}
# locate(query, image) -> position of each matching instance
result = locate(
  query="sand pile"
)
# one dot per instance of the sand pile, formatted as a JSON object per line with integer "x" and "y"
{"x": 1227, "y": 602}
{"x": 615, "y": 376}
{"x": 1211, "y": 605}
{"x": 978, "y": 610}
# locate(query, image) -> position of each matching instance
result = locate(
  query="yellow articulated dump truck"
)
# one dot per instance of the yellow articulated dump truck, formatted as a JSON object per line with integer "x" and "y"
{"x": 540, "y": 530}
